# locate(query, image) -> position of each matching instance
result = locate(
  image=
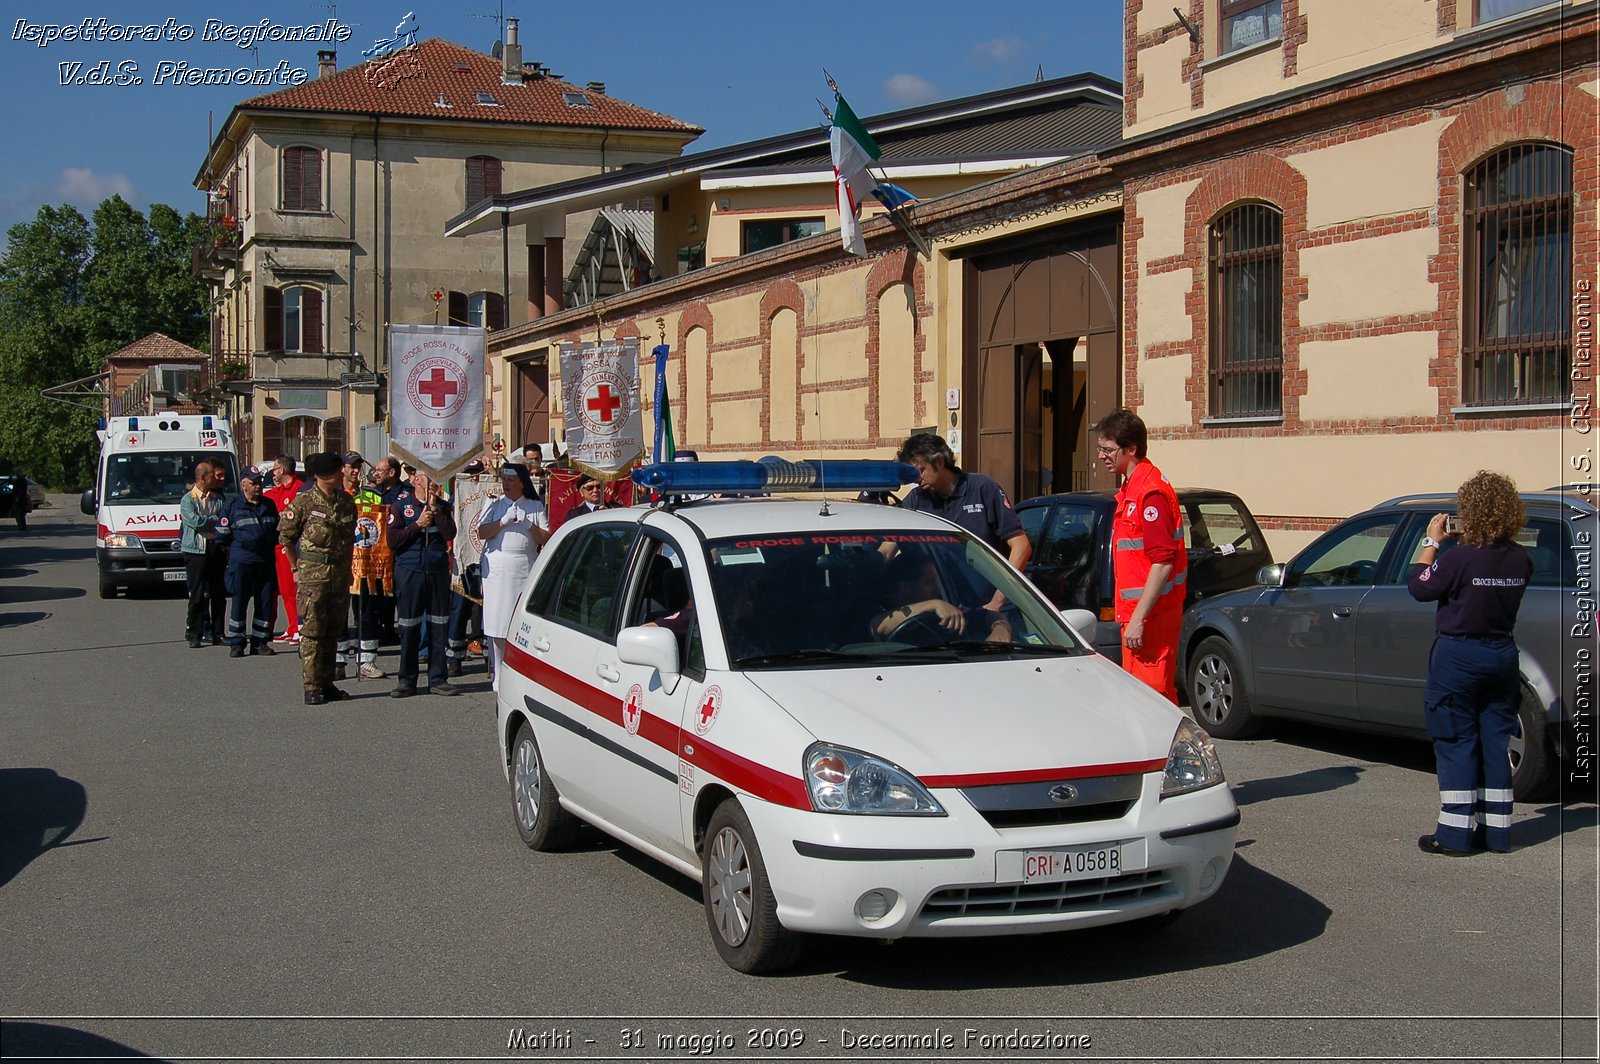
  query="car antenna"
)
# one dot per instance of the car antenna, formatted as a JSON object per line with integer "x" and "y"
{"x": 816, "y": 378}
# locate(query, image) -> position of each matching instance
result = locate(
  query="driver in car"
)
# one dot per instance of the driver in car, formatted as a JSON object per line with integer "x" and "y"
{"x": 914, "y": 583}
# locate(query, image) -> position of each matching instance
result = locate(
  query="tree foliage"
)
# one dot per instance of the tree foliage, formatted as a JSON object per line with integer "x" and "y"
{"x": 71, "y": 293}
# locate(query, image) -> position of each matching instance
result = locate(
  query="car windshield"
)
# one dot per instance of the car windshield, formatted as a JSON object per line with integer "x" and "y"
{"x": 797, "y": 599}
{"x": 146, "y": 477}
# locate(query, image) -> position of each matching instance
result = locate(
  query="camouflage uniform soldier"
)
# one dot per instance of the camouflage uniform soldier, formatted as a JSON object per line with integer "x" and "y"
{"x": 318, "y": 535}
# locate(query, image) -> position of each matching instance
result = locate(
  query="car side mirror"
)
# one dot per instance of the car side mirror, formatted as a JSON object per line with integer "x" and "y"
{"x": 1084, "y": 622}
{"x": 652, "y": 648}
{"x": 1273, "y": 575}
{"x": 86, "y": 502}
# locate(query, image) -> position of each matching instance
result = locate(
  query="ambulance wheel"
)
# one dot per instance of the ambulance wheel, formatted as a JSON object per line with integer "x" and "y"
{"x": 541, "y": 821}
{"x": 1530, "y": 752}
{"x": 740, "y": 909}
{"x": 108, "y": 588}
{"x": 1217, "y": 693}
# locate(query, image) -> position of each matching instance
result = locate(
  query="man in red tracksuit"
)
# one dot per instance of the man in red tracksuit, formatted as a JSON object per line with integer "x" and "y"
{"x": 286, "y": 484}
{"x": 1149, "y": 558}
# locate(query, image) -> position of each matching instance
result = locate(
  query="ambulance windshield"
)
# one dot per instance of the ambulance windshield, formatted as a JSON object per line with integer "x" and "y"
{"x": 144, "y": 478}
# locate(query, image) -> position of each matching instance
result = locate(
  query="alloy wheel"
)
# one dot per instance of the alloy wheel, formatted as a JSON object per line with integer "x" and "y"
{"x": 729, "y": 886}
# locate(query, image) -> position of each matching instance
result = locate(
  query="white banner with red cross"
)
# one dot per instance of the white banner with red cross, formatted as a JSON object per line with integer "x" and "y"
{"x": 436, "y": 385}
{"x": 600, "y": 394}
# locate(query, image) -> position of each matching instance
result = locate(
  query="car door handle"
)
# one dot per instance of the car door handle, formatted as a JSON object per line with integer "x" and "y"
{"x": 1343, "y": 611}
{"x": 607, "y": 673}
{"x": 541, "y": 644}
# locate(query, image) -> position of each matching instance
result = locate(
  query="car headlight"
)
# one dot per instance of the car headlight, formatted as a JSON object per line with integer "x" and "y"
{"x": 848, "y": 781}
{"x": 121, "y": 539}
{"x": 1192, "y": 762}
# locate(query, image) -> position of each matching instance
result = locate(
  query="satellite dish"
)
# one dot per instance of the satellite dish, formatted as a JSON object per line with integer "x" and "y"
{"x": 498, "y": 51}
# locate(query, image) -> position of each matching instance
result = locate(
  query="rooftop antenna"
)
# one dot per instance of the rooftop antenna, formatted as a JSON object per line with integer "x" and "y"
{"x": 1039, "y": 74}
{"x": 499, "y": 17}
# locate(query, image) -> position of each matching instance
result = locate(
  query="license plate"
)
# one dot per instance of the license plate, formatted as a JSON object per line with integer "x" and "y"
{"x": 174, "y": 574}
{"x": 1064, "y": 863}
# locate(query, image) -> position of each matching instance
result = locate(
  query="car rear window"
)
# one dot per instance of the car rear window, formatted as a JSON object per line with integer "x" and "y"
{"x": 1218, "y": 524}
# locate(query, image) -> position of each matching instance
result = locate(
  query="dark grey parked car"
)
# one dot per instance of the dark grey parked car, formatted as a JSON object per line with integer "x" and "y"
{"x": 1334, "y": 637}
{"x": 1071, "y": 537}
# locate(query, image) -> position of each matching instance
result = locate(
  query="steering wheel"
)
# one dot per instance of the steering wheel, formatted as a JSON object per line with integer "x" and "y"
{"x": 920, "y": 630}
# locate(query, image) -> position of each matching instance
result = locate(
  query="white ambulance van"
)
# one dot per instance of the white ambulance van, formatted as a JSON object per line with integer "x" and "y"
{"x": 146, "y": 464}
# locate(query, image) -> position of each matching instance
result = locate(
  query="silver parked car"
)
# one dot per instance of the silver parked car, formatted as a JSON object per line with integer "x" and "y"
{"x": 1334, "y": 637}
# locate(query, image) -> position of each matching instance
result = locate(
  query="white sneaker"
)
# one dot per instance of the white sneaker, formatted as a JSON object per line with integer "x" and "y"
{"x": 369, "y": 671}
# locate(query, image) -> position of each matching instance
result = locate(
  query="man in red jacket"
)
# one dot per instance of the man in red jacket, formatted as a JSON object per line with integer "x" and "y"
{"x": 1148, "y": 556}
{"x": 286, "y": 484}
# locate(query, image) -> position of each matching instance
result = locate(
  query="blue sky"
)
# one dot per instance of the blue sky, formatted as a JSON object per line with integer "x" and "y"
{"x": 742, "y": 70}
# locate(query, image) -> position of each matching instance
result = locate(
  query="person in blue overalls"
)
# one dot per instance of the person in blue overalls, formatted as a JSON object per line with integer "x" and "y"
{"x": 1473, "y": 682}
{"x": 248, "y": 525}
{"x": 420, "y": 527}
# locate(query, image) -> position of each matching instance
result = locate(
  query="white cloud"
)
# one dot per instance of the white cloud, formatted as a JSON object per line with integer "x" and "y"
{"x": 1002, "y": 51}
{"x": 84, "y": 189}
{"x": 910, "y": 90}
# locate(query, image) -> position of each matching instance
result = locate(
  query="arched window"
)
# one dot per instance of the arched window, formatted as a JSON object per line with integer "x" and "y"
{"x": 1246, "y": 268}
{"x": 302, "y": 179}
{"x": 1516, "y": 342}
{"x": 293, "y": 319}
{"x": 483, "y": 178}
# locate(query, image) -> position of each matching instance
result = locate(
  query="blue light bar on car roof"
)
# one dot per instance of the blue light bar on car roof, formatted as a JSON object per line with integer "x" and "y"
{"x": 774, "y": 474}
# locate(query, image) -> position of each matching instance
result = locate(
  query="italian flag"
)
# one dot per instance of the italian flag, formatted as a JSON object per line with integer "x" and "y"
{"x": 853, "y": 150}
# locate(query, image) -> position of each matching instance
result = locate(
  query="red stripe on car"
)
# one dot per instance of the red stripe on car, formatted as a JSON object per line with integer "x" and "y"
{"x": 759, "y": 780}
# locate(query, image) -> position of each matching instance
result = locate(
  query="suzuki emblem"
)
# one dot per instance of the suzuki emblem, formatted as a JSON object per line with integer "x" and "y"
{"x": 1062, "y": 793}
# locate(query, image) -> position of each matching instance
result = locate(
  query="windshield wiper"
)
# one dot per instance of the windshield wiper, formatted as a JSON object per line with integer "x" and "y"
{"x": 991, "y": 646}
{"x": 796, "y": 656}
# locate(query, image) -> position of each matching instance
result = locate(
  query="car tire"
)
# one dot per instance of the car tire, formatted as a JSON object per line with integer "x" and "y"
{"x": 1530, "y": 750}
{"x": 541, "y": 821}
{"x": 740, "y": 908}
{"x": 1217, "y": 692}
{"x": 108, "y": 588}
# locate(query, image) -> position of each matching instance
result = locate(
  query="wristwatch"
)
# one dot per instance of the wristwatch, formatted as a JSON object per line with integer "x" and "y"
{"x": 1429, "y": 541}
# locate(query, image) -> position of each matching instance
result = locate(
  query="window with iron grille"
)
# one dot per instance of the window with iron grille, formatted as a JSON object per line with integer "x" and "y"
{"x": 302, "y": 179}
{"x": 1516, "y": 342}
{"x": 1248, "y": 22}
{"x": 1246, "y": 267}
{"x": 483, "y": 178}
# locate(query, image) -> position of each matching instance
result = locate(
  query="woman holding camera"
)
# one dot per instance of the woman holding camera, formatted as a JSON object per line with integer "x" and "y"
{"x": 1473, "y": 683}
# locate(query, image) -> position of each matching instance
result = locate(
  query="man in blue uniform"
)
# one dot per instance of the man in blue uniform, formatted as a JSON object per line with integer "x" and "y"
{"x": 248, "y": 526}
{"x": 971, "y": 500}
{"x": 420, "y": 528}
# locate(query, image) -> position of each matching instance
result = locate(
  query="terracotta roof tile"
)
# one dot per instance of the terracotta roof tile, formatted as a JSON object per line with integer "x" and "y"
{"x": 410, "y": 83}
{"x": 158, "y": 347}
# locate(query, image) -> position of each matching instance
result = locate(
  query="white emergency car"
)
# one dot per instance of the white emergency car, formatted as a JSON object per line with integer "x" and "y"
{"x": 845, "y": 718}
{"x": 146, "y": 464}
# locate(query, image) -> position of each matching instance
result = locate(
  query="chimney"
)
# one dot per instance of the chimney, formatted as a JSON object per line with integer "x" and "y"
{"x": 597, "y": 87}
{"x": 327, "y": 63}
{"x": 511, "y": 58}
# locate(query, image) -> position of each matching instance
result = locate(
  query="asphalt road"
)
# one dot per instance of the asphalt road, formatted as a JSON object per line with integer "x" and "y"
{"x": 193, "y": 864}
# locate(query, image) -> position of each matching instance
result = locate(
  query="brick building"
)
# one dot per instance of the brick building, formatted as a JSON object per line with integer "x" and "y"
{"x": 1341, "y": 250}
